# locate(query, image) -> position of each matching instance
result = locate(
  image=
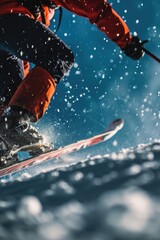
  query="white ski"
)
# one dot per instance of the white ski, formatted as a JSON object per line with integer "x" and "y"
{"x": 112, "y": 129}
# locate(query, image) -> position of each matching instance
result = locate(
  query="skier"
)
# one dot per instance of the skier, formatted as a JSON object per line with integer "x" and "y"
{"x": 25, "y": 38}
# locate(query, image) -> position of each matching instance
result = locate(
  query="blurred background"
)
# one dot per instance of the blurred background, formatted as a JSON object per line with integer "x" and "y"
{"x": 104, "y": 84}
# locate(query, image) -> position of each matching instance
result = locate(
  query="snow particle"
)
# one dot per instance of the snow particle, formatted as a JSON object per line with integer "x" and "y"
{"x": 29, "y": 205}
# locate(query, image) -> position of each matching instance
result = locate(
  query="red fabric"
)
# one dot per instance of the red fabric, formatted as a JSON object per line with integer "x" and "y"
{"x": 35, "y": 92}
{"x": 97, "y": 11}
{"x": 26, "y": 67}
{"x": 12, "y": 6}
{"x": 100, "y": 13}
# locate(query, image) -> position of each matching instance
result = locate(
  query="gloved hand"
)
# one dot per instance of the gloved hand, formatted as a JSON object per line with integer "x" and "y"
{"x": 134, "y": 50}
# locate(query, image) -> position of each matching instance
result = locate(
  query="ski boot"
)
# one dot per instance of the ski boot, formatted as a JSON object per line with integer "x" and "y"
{"x": 17, "y": 134}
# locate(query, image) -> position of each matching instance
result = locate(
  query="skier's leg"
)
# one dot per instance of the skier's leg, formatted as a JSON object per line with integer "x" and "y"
{"x": 31, "y": 41}
{"x": 32, "y": 96}
{"x": 46, "y": 51}
{"x": 11, "y": 75}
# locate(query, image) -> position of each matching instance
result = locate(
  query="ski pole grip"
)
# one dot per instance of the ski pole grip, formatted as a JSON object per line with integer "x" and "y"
{"x": 151, "y": 55}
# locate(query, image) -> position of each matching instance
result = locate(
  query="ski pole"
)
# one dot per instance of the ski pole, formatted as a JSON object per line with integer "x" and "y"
{"x": 151, "y": 55}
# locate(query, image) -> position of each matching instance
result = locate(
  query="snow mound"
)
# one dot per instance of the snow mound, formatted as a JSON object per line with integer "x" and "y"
{"x": 109, "y": 197}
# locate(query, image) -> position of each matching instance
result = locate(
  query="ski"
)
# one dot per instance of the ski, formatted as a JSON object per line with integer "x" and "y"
{"x": 112, "y": 129}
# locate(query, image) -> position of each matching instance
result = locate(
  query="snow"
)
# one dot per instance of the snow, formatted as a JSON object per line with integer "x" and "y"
{"x": 29, "y": 205}
{"x": 114, "y": 196}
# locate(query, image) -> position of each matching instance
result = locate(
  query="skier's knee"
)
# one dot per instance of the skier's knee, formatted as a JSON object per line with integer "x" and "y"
{"x": 59, "y": 59}
{"x": 62, "y": 64}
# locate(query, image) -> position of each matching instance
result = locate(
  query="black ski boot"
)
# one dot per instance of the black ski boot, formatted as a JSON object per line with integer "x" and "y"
{"x": 16, "y": 131}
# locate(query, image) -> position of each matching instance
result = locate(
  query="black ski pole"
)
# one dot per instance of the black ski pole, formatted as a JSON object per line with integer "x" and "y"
{"x": 151, "y": 55}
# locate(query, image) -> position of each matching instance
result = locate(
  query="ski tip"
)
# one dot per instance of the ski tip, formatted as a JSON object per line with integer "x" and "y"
{"x": 117, "y": 124}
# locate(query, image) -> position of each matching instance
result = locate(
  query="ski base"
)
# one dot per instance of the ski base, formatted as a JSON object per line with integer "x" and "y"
{"x": 112, "y": 129}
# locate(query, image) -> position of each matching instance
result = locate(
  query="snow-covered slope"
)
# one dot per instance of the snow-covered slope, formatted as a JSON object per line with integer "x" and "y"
{"x": 107, "y": 197}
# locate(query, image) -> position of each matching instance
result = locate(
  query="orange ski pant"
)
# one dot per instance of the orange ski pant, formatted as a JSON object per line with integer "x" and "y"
{"x": 36, "y": 44}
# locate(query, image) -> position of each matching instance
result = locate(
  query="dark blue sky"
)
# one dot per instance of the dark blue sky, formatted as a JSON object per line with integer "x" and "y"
{"x": 104, "y": 84}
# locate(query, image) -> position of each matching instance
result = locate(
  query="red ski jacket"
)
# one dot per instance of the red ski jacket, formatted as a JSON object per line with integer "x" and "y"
{"x": 98, "y": 12}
